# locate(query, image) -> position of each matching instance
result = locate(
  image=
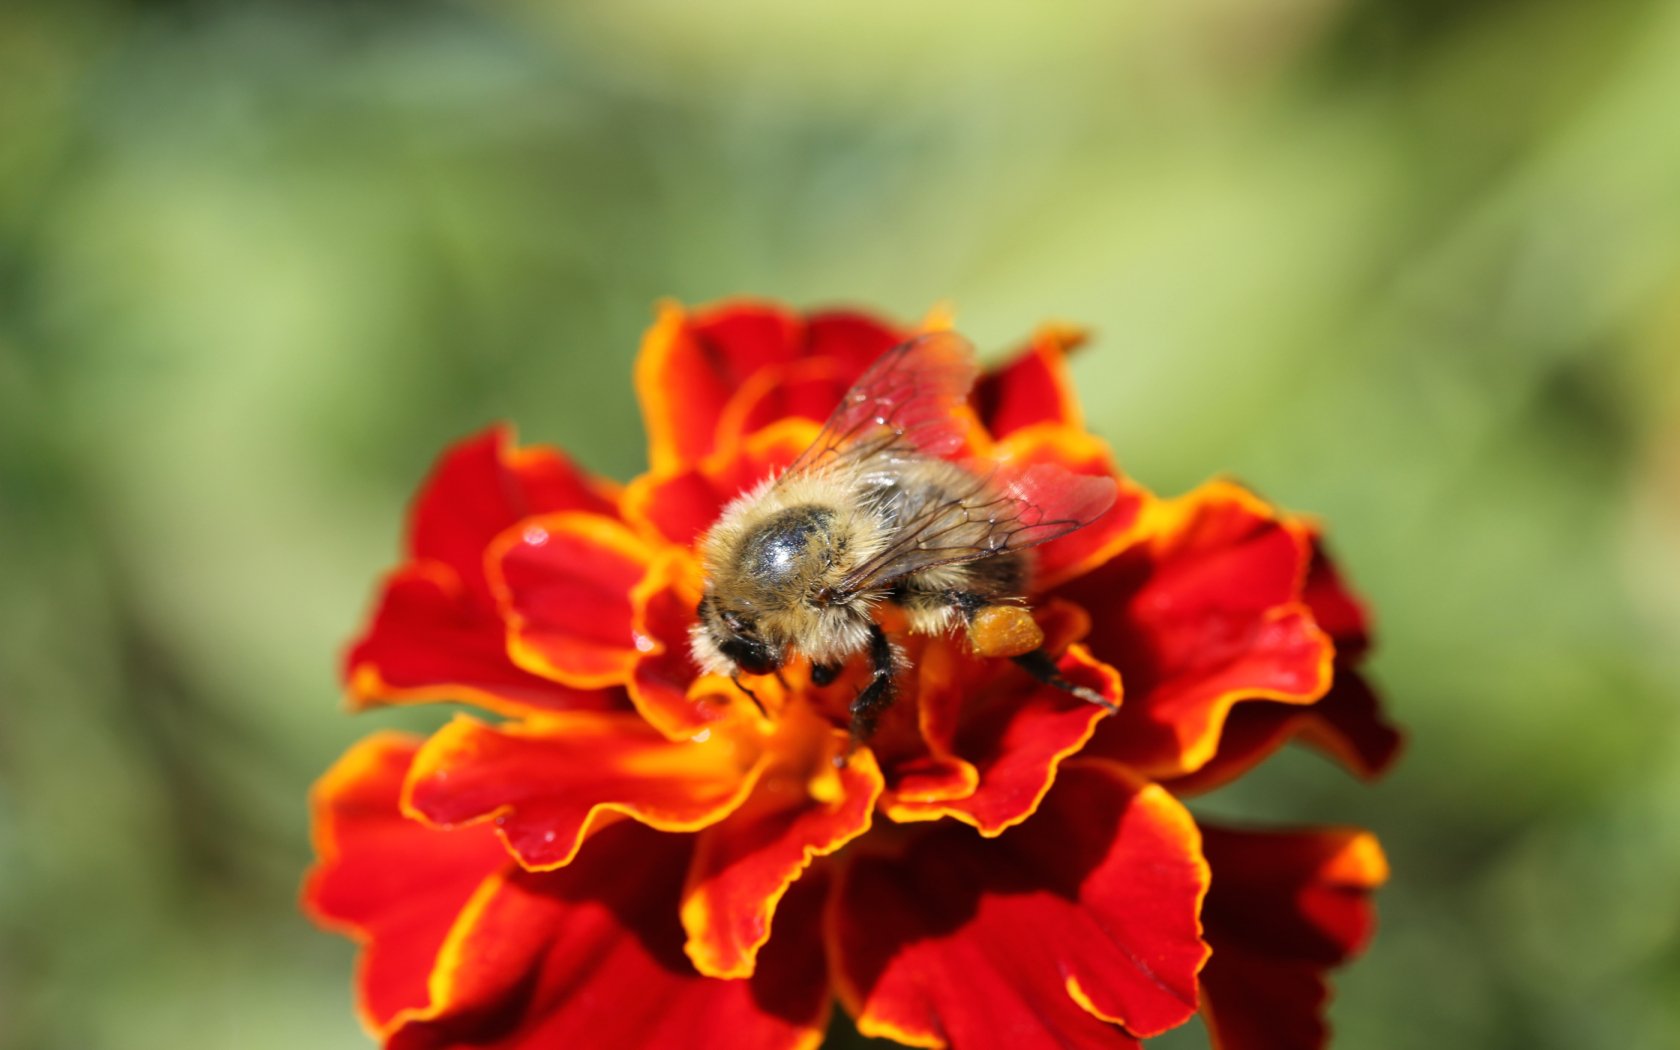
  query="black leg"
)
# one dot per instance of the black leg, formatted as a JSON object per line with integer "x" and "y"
{"x": 1038, "y": 664}
{"x": 867, "y": 708}
{"x": 824, "y": 674}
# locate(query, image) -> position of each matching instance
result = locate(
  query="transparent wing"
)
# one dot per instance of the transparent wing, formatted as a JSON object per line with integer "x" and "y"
{"x": 904, "y": 405}
{"x": 1008, "y": 509}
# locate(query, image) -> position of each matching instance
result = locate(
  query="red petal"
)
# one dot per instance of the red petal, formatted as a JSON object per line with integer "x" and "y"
{"x": 918, "y": 784}
{"x": 685, "y": 374}
{"x": 662, "y": 682}
{"x": 1284, "y": 908}
{"x": 1251, "y": 1001}
{"x": 839, "y": 346}
{"x": 436, "y": 634}
{"x": 550, "y": 781}
{"x": 592, "y": 957}
{"x": 1084, "y": 915}
{"x": 807, "y": 389}
{"x": 1201, "y": 613}
{"x": 481, "y": 486}
{"x": 1033, "y": 387}
{"x": 1347, "y": 724}
{"x": 852, "y": 338}
{"x": 746, "y": 862}
{"x": 390, "y": 882}
{"x": 1012, "y": 730}
{"x": 1339, "y": 612}
{"x": 1081, "y": 453}
{"x": 430, "y": 639}
{"x": 913, "y": 741}
{"x": 680, "y": 506}
{"x": 564, "y": 582}
{"x": 692, "y": 364}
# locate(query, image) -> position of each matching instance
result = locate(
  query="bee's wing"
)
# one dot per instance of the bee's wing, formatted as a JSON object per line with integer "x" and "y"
{"x": 1008, "y": 509}
{"x": 904, "y": 404}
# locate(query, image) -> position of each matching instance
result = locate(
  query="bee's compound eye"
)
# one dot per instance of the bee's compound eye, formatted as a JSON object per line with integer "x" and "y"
{"x": 752, "y": 657}
{"x": 734, "y": 622}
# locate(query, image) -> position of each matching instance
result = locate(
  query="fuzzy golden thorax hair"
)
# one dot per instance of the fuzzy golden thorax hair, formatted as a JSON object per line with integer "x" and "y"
{"x": 774, "y": 562}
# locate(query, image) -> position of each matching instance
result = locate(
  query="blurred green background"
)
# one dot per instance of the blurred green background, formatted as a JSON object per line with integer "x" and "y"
{"x": 1411, "y": 264}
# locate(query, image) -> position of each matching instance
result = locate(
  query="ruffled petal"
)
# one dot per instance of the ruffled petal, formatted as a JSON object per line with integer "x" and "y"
{"x": 839, "y": 347}
{"x": 393, "y": 884}
{"x": 1010, "y": 729}
{"x": 435, "y": 633}
{"x": 563, "y": 582}
{"x": 745, "y": 863}
{"x": 679, "y": 506}
{"x": 852, "y": 338}
{"x": 484, "y": 484}
{"x": 1348, "y": 725}
{"x": 1078, "y": 452}
{"x": 1284, "y": 908}
{"x": 692, "y": 364}
{"x": 591, "y": 956}
{"x": 1339, "y": 612}
{"x": 806, "y": 389}
{"x": 1079, "y": 927}
{"x": 916, "y": 767}
{"x": 1032, "y": 387}
{"x": 1200, "y": 613}
{"x": 548, "y": 782}
{"x": 665, "y": 685}
{"x": 430, "y": 639}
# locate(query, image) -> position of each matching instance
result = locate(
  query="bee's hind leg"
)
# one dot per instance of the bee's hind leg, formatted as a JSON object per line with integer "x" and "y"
{"x": 1038, "y": 664}
{"x": 878, "y": 694}
{"x": 1005, "y": 628}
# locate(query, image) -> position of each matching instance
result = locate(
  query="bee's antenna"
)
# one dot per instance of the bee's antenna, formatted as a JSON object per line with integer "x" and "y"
{"x": 736, "y": 678}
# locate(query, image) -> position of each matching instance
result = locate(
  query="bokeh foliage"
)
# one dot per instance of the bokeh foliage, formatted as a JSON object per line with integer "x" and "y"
{"x": 1414, "y": 266}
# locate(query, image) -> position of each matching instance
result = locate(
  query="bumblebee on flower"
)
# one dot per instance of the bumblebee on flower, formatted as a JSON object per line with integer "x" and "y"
{"x": 870, "y": 514}
{"x": 924, "y": 816}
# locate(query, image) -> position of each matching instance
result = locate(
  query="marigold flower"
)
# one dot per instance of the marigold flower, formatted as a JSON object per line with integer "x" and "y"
{"x": 621, "y": 851}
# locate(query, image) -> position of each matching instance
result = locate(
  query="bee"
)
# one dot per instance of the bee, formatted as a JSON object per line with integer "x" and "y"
{"x": 878, "y": 511}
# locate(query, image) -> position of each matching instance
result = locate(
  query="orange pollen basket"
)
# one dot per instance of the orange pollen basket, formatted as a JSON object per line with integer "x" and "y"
{"x": 1004, "y": 630}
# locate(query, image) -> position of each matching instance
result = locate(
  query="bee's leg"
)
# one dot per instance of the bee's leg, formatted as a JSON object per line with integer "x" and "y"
{"x": 750, "y": 695}
{"x": 995, "y": 627}
{"x": 1038, "y": 664}
{"x": 867, "y": 708}
{"x": 1004, "y": 629}
{"x": 825, "y": 674}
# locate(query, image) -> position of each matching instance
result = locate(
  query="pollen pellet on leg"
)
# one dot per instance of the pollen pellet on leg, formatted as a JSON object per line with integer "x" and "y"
{"x": 1004, "y": 630}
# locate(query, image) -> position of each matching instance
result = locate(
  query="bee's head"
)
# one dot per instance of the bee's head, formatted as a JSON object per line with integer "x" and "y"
{"x": 727, "y": 640}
